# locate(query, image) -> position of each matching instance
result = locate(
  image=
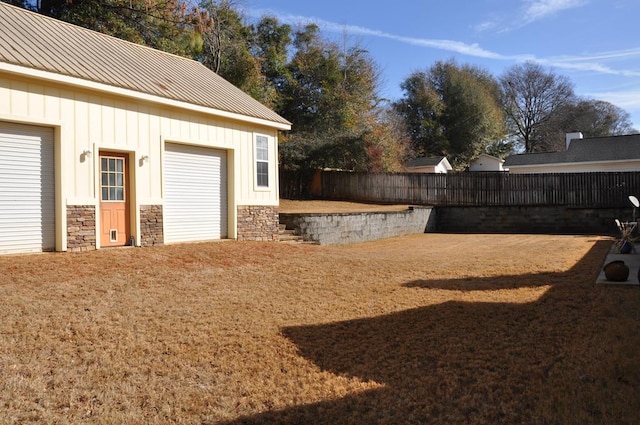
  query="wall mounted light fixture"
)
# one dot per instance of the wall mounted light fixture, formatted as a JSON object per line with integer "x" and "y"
{"x": 86, "y": 153}
{"x": 144, "y": 158}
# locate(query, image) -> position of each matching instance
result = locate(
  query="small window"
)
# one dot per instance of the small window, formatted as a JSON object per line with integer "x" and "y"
{"x": 112, "y": 178}
{"x": 262, "y": 161}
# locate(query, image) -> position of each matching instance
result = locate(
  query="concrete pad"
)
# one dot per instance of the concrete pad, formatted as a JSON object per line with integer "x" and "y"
{"x": 631, "y": 260}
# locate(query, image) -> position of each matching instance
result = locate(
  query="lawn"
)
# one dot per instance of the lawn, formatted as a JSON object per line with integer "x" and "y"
{"x": 432, "y": 328}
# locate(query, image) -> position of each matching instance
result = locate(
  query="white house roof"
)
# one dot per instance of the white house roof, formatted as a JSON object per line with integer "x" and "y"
{"x": 428, "y": 161}
{"x": 34, "y": 41}
{"x": 595, "y": 149}
{"x": 491, "y": 157}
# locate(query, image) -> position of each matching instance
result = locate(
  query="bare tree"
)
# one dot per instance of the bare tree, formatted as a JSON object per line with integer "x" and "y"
{"x": 531, "y": 96}
{"x": 593, "y": 118}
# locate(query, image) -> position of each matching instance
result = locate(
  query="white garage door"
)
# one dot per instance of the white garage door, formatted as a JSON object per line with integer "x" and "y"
{"x": 195, "y": 193}
{"x": 27, "y": 189}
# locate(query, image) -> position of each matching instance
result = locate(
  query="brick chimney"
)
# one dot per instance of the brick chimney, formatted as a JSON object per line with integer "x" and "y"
{"x": 571, "y": 136}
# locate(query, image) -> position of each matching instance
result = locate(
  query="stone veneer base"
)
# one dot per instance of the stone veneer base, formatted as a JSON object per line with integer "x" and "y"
{"x": 81, "y": 228}
{"x": 258, "y": 223}
{"x": 151, "y": 233}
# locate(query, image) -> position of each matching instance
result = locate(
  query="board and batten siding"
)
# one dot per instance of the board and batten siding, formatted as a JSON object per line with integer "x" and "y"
{"x": 90, "y": 120}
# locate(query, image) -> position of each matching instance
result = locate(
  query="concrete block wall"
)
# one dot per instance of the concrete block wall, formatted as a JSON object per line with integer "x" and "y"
{"x": 346, "y": 228}
{"x": 550, "y": 220}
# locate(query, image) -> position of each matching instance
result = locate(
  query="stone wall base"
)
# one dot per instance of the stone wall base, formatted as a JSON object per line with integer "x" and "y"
{"x": 81, "y": 228}
{"x": 151, "y": 233}
{"x": 258, "y": 223}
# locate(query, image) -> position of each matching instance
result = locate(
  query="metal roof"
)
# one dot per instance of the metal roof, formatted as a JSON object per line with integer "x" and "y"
{"x": 594, "y": 149}
{"x": 38, "y": 42}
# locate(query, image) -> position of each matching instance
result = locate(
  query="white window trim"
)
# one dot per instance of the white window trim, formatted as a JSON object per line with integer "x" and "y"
{"x": 269, "y": 161}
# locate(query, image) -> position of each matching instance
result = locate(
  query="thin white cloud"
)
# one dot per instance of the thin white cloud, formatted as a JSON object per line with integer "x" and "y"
{"x": 540, "y": 9}
{"x": 586, "y": 63}
{"x": 531, "y": 11}
{"x": 612, "y": 55}
{"x": 486, "y": 26}
{"x": 441, "y": 44}
{"x": 596, "y": 63}
{"x": 625, "y": 99}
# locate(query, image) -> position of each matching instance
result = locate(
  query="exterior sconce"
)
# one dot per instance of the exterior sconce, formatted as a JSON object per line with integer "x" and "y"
{"x": 86, "y": 153}
{"x": 143, "y": 159}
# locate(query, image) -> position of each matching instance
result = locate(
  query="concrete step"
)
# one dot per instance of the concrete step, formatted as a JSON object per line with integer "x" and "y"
{"x": 290, "y": 236}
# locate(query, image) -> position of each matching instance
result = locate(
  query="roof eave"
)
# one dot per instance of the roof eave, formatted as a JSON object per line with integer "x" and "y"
{"x": 558, "y": 164}
{"x": 105, "y": 88}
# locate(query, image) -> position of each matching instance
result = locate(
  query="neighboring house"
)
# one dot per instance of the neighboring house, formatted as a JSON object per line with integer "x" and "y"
{"x": 485, "y": 162}
{"x": 613, "y": 153}
{"x": 104, "y": 143}
{"x": 431, "y": 164}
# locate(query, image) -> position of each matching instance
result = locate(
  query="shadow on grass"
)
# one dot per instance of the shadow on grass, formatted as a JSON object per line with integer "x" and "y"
{"x": 543, "y": 362}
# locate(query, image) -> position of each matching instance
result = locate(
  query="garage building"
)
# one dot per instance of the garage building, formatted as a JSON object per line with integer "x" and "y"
{"x": 106, "y": 143}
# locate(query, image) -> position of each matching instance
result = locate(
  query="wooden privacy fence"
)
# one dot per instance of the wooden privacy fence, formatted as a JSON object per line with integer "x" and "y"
{"x": 606, "y": 190}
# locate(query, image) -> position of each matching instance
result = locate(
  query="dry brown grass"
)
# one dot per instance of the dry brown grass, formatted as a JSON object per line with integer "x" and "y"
{"x": 431, "y": 328}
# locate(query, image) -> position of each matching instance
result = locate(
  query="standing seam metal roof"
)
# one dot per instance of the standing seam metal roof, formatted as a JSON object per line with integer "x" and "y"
{"x": 35, "y": 41}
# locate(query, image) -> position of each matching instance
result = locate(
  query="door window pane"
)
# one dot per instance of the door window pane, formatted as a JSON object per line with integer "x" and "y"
{"x": 112, "y": 179}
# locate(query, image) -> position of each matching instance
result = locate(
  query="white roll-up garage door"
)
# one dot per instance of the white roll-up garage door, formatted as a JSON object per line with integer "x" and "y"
{"x": 27, "y": 189}
{"x": 195, "y": 193}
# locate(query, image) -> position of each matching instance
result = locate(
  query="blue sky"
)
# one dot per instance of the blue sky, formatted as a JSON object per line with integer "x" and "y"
{"x": 595, "y": 43}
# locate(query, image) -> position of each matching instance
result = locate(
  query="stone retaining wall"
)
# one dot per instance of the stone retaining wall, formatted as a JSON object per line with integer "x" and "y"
{"x": 81, "y": 228}
{"x": 258, "y": 223}
{"x": 345, "y": 228}
{"x": 151, "y": 233}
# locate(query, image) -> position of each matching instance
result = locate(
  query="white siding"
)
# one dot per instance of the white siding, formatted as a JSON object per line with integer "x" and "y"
{"x": 618, "y": 166}
{"x": 195, "y": 193}
{"x": 27, "y": 189}
{"x": 93, "y": 121}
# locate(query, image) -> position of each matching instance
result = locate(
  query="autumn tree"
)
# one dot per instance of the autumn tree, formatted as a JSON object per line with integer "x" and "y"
{"x": 227, "y": 49}
{"x": 531, "y": 97}
{"x": 421, "y": 108}
{"x": 331, "y": 98}
{"x": 270, "y": 45}
{"x": 452, "y": 110}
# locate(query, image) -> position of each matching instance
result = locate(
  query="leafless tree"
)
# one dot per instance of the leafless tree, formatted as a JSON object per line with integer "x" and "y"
{"x": 531, "y": 96}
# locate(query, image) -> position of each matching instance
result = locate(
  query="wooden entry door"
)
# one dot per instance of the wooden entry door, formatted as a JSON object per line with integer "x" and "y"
{"x": 114, "y": 199}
